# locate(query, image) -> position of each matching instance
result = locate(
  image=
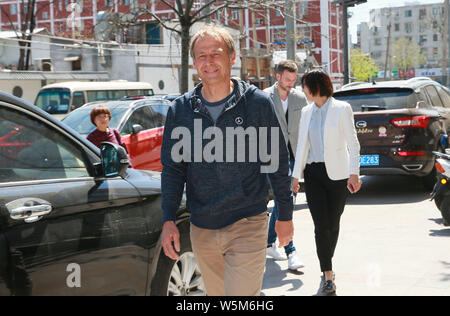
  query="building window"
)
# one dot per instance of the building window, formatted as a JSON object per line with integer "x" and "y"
{"x": 408, "y": 13}
{"x": 422, "y": 14}
{"x": 422, "y": 39}
{"x": 235, "y": 14}
{"x": 13, "y": 9}
{"x": 397, "y": 27}
{"x": 378, "y": 42}
{"x": 76, "y": 64}
{"x": 408, "y": 27}
{"x": 435, "y": 37}
{"x": 45, "y": 15}
{"x": 153, "y": 33}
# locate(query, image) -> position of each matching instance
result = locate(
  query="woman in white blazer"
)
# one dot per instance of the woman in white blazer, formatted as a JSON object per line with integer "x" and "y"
{"x": 327, "y": 159}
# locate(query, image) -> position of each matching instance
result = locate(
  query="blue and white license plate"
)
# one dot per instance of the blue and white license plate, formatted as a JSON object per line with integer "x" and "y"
{"x": 369, "y": 160}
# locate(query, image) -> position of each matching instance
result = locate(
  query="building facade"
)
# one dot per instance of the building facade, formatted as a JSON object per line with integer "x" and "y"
{"x": 318, "y": 24}
{"x": 421, "y": 24}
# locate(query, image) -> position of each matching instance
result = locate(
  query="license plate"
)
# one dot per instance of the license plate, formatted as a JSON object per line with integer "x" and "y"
{"x": 369, "y": 160}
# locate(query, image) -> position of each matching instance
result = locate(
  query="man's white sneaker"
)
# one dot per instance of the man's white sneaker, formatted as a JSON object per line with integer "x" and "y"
{"x": 276, "y": 253}
{"x": 294, "y": 261}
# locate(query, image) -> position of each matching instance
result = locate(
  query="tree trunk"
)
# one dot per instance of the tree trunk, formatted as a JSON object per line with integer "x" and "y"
{"x": 32, "y": 24}
{"x": 21, "y": 63}
{"x": 185, "y": 41}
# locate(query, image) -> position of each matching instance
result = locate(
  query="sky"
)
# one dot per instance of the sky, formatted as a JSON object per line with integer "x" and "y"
{"x": 361, "y": 13}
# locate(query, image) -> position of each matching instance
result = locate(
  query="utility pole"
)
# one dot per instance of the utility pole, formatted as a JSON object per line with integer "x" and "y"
{"x": 388, "y": 46}
{"x": 345, "y": 4}
{"x": 445, "y": 44}
{"x": 290, "y": 30}
{"x": 255, "y": 48}
{"x": 345, "y": 40}
{"x": 243, "y": 46}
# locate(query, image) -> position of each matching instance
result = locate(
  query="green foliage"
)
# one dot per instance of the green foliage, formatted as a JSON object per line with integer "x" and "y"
{"x": 406, "y": 54}
{"x": 363, "y": 66}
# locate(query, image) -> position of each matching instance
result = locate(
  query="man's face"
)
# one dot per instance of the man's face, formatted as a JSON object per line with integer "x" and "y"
{"x": 211, "y": 60}
{"x": 286, "y": 80}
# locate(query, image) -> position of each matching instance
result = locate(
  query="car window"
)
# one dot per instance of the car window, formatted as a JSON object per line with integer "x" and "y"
{"x": 445, "y": 97}
{"x": 77, "y": 100}
{"x": 435, "y": 99}
{"x": 142, "y": 116}
{"x": 422, "y": 95}
{"x": 31, "y": 150}
{"x": 160, "y": 113}
{"x": 372, "y": 99}
{"x": 80, "y": 120}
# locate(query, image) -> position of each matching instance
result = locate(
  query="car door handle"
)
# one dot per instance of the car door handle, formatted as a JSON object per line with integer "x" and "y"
{"x": 28, "y": 209}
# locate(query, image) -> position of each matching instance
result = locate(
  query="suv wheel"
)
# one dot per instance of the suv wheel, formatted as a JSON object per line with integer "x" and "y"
{"x": 185, "y": 277}
{"x": 181, "y": 277}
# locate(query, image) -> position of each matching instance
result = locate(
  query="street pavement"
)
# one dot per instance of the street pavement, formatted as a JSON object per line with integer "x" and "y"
{"x": 392, "y": 242}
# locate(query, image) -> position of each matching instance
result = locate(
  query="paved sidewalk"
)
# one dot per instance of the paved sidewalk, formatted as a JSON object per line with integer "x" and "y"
{"x": 392, "y": 242}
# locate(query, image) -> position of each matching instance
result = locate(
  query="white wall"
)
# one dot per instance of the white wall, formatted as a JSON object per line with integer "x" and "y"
{"x": 30, "y": 88}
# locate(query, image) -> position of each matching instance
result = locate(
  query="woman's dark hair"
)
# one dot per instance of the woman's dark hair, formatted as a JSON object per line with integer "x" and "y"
{"x": 97, "y": 110}
{"x": 318, "y": 82}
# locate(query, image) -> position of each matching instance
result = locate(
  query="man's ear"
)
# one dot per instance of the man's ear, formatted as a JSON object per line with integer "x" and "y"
{"x": 233, "y": 58}
{"x": 278, "y": 76}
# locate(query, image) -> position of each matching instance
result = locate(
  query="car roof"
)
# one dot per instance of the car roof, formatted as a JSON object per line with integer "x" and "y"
{"x": 126, "y": 103}
{"x": 412, "y": 83}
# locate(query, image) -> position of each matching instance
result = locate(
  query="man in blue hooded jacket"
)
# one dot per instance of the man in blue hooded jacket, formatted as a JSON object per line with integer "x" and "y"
{"x": 225, "y": 177}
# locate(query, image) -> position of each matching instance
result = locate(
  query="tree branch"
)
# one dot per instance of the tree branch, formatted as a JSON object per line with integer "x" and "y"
{"x": 164, "y": 24}
{"x": 172, "y": 7}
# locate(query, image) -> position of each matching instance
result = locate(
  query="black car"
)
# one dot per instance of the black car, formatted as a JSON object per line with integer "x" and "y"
{"x": 74, "y": 220}
{"x": 399, "y": 124}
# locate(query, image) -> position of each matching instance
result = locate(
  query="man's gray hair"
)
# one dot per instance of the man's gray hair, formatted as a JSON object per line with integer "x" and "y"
{"x": 218, "y": 32}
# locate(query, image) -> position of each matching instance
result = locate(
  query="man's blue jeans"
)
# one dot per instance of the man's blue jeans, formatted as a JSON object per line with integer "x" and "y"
{"x": 272, "y": 234}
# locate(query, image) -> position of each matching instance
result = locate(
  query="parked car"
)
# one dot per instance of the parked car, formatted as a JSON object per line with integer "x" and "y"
{"x": 140, "y": 121}
{"x": 399, "y": 124}
{"x": 172, "y": 97}
{"x": 74, "y": 220}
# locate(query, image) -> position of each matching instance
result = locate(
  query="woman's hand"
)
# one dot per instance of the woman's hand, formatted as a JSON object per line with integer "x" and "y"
{"x": 354, "y": 184}
{"x": 295, "y": 185}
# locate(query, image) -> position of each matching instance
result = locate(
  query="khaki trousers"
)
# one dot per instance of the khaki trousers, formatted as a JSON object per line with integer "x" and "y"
{"x": 232, "y": 259}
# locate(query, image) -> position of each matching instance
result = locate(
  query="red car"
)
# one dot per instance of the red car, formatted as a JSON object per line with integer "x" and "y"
{"x": 140, "y": 121}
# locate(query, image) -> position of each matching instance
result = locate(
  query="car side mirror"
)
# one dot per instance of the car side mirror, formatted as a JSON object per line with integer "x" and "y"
{"x": 114, "y": 159}
{"x": 421, "y": 105}
{"x": 137, "y": 128}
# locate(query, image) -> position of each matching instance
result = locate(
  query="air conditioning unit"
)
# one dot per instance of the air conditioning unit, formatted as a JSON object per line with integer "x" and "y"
{"x": 44, "y": 64}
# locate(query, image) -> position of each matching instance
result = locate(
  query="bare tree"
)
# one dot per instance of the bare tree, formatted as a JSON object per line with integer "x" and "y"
{"x": 24, "y": 31}
{"x": 189, "y": 12}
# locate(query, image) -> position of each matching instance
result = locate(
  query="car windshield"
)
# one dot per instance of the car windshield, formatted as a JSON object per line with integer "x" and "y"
{"x": 363, "y": 100}
{"x": 80, "y": 120}
{"x": 54, "y": 101}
